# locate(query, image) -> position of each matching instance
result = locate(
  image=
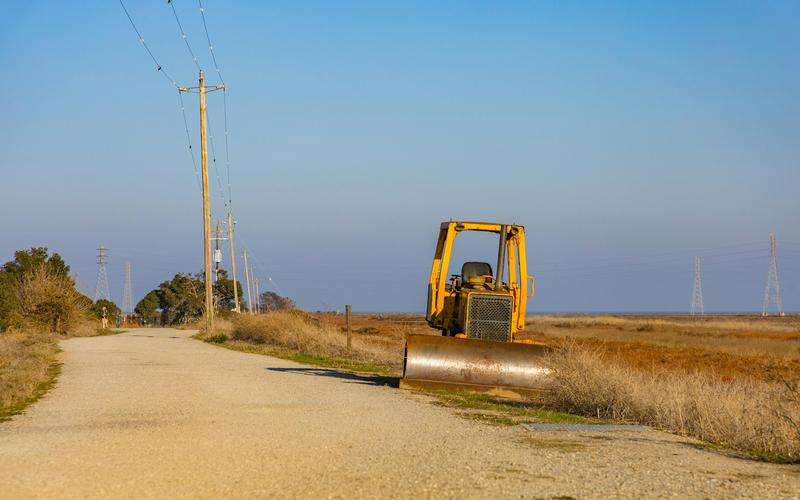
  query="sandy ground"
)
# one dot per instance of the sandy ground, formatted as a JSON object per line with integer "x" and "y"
{"x": 154, "y": 413}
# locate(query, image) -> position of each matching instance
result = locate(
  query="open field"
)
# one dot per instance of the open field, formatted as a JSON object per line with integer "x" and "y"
{"x": 725, "y": 346}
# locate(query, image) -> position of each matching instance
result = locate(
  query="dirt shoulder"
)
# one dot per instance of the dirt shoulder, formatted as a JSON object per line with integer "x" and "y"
{"x": 155, "y": 413}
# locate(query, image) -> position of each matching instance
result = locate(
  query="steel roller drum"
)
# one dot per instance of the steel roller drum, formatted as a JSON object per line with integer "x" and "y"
{"x": 499, "y": 368}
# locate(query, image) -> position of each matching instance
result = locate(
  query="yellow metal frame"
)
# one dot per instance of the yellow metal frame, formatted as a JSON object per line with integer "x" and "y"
{"x": 516, "y": 265}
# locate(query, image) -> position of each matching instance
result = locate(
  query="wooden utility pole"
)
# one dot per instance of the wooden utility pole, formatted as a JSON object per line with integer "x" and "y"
{"x": 209, "y": 307}
{"x": 256, "y": 291}
{"x": 206, "y": 206}
{"x": 247, "y": 277}
{"x": 233, "y": 262}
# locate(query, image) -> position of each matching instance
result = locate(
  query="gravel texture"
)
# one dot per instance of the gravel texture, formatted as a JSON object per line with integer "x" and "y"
{"x": 154, "y": 413}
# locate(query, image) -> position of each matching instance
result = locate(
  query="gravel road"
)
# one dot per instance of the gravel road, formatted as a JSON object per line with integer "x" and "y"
{"x": 154, "y": 413}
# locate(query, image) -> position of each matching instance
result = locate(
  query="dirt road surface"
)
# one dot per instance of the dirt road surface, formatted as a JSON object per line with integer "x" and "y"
{"x": 154, "y": 413}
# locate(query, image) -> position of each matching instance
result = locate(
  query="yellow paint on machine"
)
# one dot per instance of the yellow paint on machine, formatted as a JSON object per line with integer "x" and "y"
{"x": 478, "y": 312}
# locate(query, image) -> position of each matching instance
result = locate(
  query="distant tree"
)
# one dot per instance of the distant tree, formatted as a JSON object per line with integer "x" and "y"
{"x": 182, "y": 299}
{"x": 26, "y": 263}
{"x": 271, "y": 301}
{"x": 111, "y": 309}
{"x": 223, "y": 292}
{"x": 28, "y": 260}
{"x": 149, "y": 308}
{"x": 47, "y": 299}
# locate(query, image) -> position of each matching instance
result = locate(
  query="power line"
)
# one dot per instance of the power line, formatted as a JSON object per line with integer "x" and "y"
{"x": 208, "y": 39}
{"x": 646, "y": 262}
{"x": 216, "y": 169}
{"x": 227, "y": 135}
{"x": 677, "y": 255}
{"x": 224, "y": 99}
{"x": 262, "y": 268}
{"x": 172, "y": 81}
{"x": 159, "y": 67}
{"x": 188, "y": 138}
{"x": 183, "y": 36}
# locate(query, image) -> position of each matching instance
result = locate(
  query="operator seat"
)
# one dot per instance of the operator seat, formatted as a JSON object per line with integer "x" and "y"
{"x": 475, "y": 269}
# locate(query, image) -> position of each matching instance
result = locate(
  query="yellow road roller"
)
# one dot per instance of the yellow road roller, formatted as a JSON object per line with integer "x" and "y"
{"x": 478, "y": 311}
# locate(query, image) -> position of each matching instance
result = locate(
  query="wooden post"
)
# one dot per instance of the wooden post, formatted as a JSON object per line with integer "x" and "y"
{"x": 206, "y": 207}
{"x": 233, "y": 262}
{"x": 348, "y": 311}
{"x": 247, "y": 277}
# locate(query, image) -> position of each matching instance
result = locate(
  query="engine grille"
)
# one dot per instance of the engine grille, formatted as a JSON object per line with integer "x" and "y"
{"x": 489, "y": 317}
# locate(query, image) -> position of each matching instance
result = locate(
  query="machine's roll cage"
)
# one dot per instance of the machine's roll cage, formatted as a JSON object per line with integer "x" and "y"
{"x": 511, "y": 255}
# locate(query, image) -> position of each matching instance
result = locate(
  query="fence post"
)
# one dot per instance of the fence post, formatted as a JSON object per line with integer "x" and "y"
{"x": 348, "y": 313}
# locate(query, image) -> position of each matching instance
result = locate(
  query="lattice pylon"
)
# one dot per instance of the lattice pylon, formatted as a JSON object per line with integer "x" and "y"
{"x": 127, "y": 292}
{"x": 101, "y": 288}
{"x": 697, "y": 307}
{"x": 772, "y": 290}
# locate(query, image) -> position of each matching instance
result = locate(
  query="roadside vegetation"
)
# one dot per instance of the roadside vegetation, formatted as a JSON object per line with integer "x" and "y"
{"x": 39, "y": 304}
{"x": 299, "y": 336}
{"x": 730, "y": 382}
{"x": 27, "y": 369}
{"x": 747, "y": 415}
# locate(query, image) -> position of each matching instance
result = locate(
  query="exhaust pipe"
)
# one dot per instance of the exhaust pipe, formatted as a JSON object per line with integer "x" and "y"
{"x": 501, "y": 257}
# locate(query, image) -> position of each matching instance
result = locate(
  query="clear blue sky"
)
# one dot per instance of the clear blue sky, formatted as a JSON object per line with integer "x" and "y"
{"x": 626, "y": 136}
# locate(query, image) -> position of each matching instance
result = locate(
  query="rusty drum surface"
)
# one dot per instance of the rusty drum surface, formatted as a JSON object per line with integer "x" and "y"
{"x": 500, "y": 368}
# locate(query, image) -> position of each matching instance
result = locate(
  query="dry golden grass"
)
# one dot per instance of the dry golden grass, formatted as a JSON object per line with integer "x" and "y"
{"x": 390, "y": 327}
{"x": 26, "y": 364}
{"x": 754, "y": 347}
{"x": 48, "y": 306}
{"x": 308, "y": 335}
{"x": 748, "y": 334}
{"x": 732, "y": 323}
{"x": 747, "y": 415}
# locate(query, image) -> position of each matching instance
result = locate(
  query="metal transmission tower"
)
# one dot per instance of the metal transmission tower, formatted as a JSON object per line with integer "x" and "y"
{"x": 101, "y": 288}
{"x": 772, "y": 291}
{"x": 127, "y": 292}
{"x": 697, "y": 307}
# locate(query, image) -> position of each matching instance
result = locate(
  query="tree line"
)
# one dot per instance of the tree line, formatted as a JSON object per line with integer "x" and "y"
{"x": 36, "y": 290}
{"x": 181, "y": 299}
